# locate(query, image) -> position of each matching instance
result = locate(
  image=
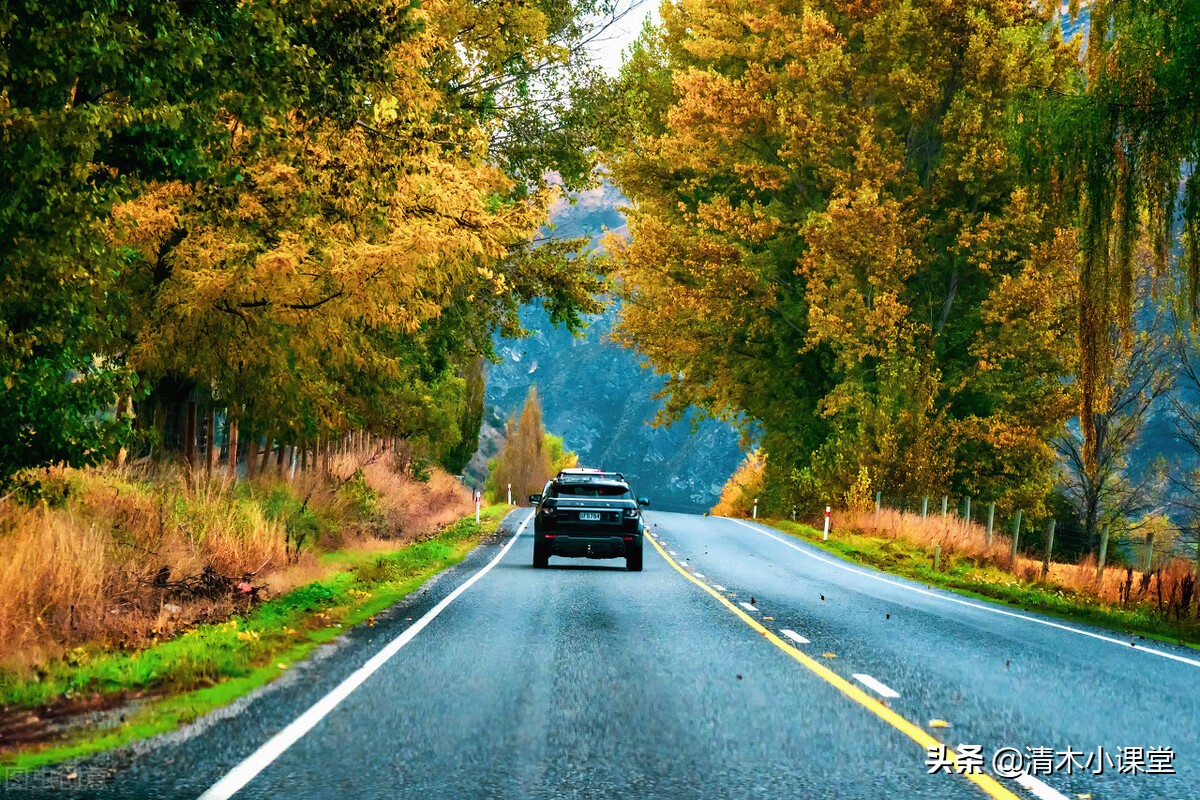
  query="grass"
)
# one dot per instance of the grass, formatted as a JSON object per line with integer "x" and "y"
{"x": 96, "y": 559}
{"x": 213, "y": 664}
{"x": 973, "y": 571}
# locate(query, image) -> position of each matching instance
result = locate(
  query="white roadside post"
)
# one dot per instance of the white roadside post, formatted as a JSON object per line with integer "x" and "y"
{"x": 510, "y": 494}
{"x": 476, "y": 506}
{"x": 827, "y": 509}
{"x": 755, "y": 511}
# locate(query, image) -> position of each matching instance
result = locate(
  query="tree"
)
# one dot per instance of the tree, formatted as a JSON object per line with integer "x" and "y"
{"x": 1102, "y": 488}
{"x": 832, "y": 238}
{"x": 307, "y": 213}
{"x": 525, "y": 461}
{"x": 1118, "y": 147}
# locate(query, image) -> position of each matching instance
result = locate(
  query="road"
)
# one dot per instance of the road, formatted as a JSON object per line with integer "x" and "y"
{"x": 726, "y": 669}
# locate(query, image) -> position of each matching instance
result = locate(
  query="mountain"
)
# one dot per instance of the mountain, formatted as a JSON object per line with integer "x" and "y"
{"x": 598, "y": 398}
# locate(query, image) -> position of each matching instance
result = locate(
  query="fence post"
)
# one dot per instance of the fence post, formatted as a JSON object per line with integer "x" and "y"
{"x": 945, "y": 505}
{"x": 1049, "y": 547}
{"x": 991, "y": 521}
{"x": 1149, "y": 551}
{"x": 1016, "y": 536}
{"x": 937, "y": 558}
{"x": 924, "y": 508}
{"x": 878, "y": 501}
{"x": 826, "y": 537}
{"x": 1103, "y": 554}
{"x": 967, "y": 513}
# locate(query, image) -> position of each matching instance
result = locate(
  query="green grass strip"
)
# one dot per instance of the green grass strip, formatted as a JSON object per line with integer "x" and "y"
{"x": 967, "y": 577}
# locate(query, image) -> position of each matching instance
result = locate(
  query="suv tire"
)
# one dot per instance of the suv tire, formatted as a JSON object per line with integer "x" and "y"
{"x": 633, "y": 559}
{"x": 541, "y": 558}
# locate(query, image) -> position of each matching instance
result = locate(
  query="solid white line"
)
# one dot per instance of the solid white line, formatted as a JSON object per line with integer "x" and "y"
{"x": 261, "y": 758}
{"x": 748, "y": 607}
{"x": 875, "y": 686}
{"x": 795, "y": 637}
{"x": 1039, "y": 789}
{"x": 836, "y": 563}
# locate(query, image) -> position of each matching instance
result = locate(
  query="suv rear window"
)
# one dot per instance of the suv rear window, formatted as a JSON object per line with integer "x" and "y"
{"x": 590, "y": 490}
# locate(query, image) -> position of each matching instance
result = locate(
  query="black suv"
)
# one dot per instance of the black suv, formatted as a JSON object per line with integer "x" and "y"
{"x": 586, "y": 513}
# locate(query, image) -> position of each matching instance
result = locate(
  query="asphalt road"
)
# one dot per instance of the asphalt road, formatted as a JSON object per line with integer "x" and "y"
{"x": 587, "y": 681}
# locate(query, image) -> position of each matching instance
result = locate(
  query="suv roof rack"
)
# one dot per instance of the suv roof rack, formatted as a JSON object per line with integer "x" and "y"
{"x": 582, "y": 475}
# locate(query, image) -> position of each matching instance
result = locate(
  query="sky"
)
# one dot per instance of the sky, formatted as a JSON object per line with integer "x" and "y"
{"x": 608, "y": 47}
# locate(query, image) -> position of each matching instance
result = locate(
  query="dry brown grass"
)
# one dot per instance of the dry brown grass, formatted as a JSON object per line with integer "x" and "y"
{"x": 1117, "y": 586}
{"x": 955, "y": 536}
{"x": 83, "y": 571}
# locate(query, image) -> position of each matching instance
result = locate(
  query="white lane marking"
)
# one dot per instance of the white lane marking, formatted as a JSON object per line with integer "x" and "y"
{"x": 795, "y": 637}
{"x": 1039, "y": 789}
{"x": 836, "y": 563}
{"x": 261, "y": 758}
{"x": 875, "y": 686}
{"x": 719, "y": 588}
{"x": 697, "y": 574}
{"x": 672, "y": 552}
{"x": 748, "y": 607}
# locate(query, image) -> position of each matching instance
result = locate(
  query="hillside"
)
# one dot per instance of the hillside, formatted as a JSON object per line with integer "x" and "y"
{"x": 597, "y": 397}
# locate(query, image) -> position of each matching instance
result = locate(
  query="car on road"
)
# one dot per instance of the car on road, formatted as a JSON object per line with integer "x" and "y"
{"x": 585, "y": 513}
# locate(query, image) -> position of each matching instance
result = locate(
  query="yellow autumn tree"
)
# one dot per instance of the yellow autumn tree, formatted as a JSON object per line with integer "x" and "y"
{"x": 828, "y": 232}
{"x": 525, "y": 462}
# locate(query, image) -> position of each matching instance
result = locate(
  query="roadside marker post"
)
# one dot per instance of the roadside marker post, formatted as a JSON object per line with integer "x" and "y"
{"x": 476, "y": 506}
{"x": 755, "y": 511}
{"x": 827, "y": 508}
{"x": 991, "y": 520}
{"x": 510, "y": 494}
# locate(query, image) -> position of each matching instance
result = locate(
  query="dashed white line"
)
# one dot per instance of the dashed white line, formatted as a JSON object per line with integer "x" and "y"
{"x": 697, "y": 574}
{"x": 718, "y": 588}
{"x": 1039, "y": 789}
{"x": 672, "y": 552}
{"x": 879, "y": 688}
{"x": 837, "y": 563}
{"x": 795, "y": 637}
{"x": 274, "y": 747}
{"x": 748, "y": 607}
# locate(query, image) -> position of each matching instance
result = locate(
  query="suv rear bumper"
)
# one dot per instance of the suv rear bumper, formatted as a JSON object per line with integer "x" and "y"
{"x": 590, "y": 545}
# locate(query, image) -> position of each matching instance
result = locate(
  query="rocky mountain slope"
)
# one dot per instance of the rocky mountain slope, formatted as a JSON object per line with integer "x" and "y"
{"x": 597, "y": 397}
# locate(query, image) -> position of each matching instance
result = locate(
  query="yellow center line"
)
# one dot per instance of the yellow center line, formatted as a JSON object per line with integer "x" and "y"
{"x": 909, "y": 729}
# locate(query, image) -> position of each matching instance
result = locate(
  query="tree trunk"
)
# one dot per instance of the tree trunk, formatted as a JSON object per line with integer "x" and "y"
{"x": 304, "y": 456}
{"x": 124, "y": 408}
{"x": 231, "y": 443}
{"x": 251, "y": 458}
{"x": 160, "y": 425}
{"x": 189, "y": 436}
{"x": 266, "y": 461}
{"x": 279, "y": 460}
{"x": 210, "y": 441}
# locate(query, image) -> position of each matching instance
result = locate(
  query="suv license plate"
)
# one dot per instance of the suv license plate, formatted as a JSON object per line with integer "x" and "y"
{"x": 589, "y": 516}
